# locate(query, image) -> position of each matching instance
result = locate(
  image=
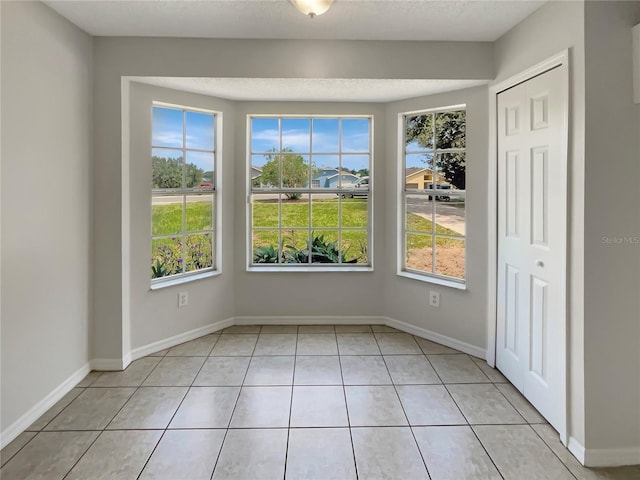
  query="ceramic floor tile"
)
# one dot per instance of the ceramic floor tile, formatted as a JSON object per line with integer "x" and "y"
{"x": 309, "y": 450}
{"x": 397, "y": 344}
{"x": 132, "y": 376}
{"x": 175, "y": 372}
{"x": 50, "y": 455}
{"x": 262, "y": 407}
{"x": 410, "y": 369}
{"x": 433, "y": 348}
{"x": 364, "y": 370}
{"x": 374, "y": 406}
{"x": 200, "y": 347}
{"x": 235, "y": 345}
{"x": 276, "y": 344}
{"x": 492, "y": 373}
{"x": 429, "y": 405}
{"x": 387, "y": 453}
{"x": 56, "y": 409}
{"x": 353, "y": 329}
{"x": 184, "y": 455}
{"x": 316, "y": 329}
{"x": 149, "y": 407}
{"x": 89, "y": 379}
{"x": 317, "y": 344}
{"x": 520, "y": 454}
{"x": 279, "y": 329}
{"x": 270, "y": 371}
{"x": 206, "y": 407}
{"x": 520, "y": 403}
{"x": 222, "y": 371}
{"x": 357, "y": 344}
{"x": 384, "y": 329}
{"x": 252, "y": 454}
{"x": 454, "y": 453}
{"x": 14, "y": 447}
{"x": 242, "y": 329}
{"x": 118, "y": 455}
{"x": 93, "y": 409}
{"x": 318, "y": 407}
{"x": 317, "y": 370}
{"x": 159, "y": 353}
{"x": 457, "y": 369}
{"x": 484, "y": 404}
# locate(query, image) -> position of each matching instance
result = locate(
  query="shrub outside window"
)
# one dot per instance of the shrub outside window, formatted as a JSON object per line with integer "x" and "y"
{"x": 433, "y": 193}
{"x": 183, "y": 195}
{"x": 310, "y": 191}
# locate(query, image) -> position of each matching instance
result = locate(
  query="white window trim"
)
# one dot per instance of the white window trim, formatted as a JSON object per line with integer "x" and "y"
{"x": 216, "y": 268}
{"x": 289, "y": 268}
{"x": 402, "y": 270}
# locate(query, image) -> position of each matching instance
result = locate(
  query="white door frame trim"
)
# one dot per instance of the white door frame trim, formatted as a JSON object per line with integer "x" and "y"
{"x": 560, "y": 60}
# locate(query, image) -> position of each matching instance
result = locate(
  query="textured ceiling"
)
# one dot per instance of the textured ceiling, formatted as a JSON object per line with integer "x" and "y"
{"x": 456, "y": 20}
{"x": 309, "y": 89}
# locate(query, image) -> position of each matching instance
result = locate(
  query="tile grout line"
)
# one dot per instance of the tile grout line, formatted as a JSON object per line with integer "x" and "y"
{"x": 552, "y": 450}
{"x": 346, "y": 404}
{"x": 235, "y": 405}
{"x": 424, "y": 462}
{"x": 293, "y": 379}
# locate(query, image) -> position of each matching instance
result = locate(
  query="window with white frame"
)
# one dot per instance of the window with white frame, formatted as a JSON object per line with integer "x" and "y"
{"x": 433, "y": 193}
{"x": 183, "y": 195}
{"x": 310, "y": 192}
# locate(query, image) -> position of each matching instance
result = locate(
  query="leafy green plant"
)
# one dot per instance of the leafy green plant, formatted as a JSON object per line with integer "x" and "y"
{"x": 159, "y": 269}
{"x": 266, "y": 254}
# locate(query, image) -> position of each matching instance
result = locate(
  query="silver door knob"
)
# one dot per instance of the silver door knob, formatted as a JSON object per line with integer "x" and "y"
{"x": 539, "y": 263}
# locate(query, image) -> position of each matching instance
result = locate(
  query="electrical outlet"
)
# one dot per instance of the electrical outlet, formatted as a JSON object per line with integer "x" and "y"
{"x": 434, "y": 299}
{"x": 183, "y": 299}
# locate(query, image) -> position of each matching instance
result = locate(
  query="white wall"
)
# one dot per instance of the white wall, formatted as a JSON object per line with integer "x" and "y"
{"x": 46, "y": 204}
{"x": 155, "y": 314}
{"x": 612, "y": 210}
{"x": 117, "y": 57}
{"x": 462, "y": 313}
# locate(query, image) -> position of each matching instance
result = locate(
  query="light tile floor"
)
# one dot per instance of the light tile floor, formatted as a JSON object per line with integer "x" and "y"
{"x": 286, "y": 402}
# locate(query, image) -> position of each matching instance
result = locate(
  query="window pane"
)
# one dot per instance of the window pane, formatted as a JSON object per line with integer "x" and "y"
{"x": 167, "y": 128}
{"x": 167, "y": 169}
{"x": 166, "y": 215}
{"x": 450, "y": 129}
{"x": 296, "y": 135}
{"x": 265, "y": 170}
{"x": 295, "y": 210}
{"x": 166, "y": 256}
{"x": 419, "y": 255}
{"x": 355, "y": 212}
{"x": 325, "y": 135}
{"x": 199, "y": 212}
{"x": 450, "y": 255}
{"x": 265, "y": 135}
{"x": 354, "y": 246}
{"x": 199, "y": 165}
{"x": 324, "y": 211}
{"x": 355, "y": 135}
{"x": 354, "y": 167}
{"x": 419, "y": 132}
{"x": 265, "y": 246}
{"x": 295, "y": 170}
{"x": 450, "y": 214}
{"x": 265, "y": 211}
{"x": 452, "y": 169}
{"x": 419, "y": 171}
{"x": 324, "y": 169}
{"x": 296, "y": 246}
{"x": 200, "y": 130}
{"x": 198, "y": 252}
{"x": 325, "y": 247}
{"x": 418, "y": 213}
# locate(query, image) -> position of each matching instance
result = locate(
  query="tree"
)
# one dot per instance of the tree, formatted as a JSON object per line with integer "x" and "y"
{"x": 167, "y": 173}
{"x": 293, "y": 169}
{"x": 450, "y": 132}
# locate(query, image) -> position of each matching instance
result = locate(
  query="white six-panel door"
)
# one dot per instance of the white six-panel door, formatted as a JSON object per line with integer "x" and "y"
{"x": 532, "y": 191}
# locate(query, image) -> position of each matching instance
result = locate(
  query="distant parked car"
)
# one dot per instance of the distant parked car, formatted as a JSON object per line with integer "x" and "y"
{"x": 362, "y": 184}
{"x": 205, "y": 186}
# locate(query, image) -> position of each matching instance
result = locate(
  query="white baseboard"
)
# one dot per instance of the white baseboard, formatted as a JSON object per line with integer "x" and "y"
{"x": 108, "y": 364}
{"x": 605, "y": 457}
{"x": 310, "y": 320}
{"x": 35, "y": 412}
{"x": 576, "y": 448}
{"x": 436, "y": 337}
{"x": 180, "y": 338}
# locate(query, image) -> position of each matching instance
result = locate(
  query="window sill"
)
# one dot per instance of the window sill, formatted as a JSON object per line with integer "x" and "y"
{"x": 309, "y": 269}
{"x": 170, "y": 282}
{"x": 435, "y": 280}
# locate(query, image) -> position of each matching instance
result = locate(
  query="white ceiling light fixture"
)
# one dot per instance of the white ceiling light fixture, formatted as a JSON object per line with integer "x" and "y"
{"x": 312, "y": 7}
